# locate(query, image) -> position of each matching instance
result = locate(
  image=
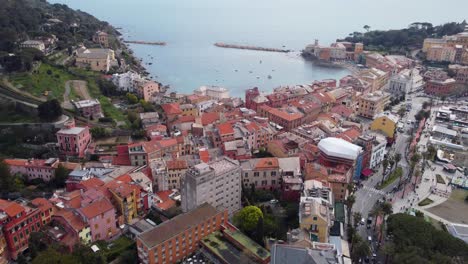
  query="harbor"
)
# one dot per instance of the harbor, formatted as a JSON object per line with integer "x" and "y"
{"x": 246, "y": 47}
{"x": 155, "y": 43}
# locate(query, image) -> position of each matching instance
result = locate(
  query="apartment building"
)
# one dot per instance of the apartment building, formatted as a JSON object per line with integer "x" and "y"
{"x": 217, "y": 183}
{"x": 34, "y": 168}
{"x": 372, "y": 104}
{"x": 89, "y": 108}
{"x": 178, "y": 238}
{"x": 176, "y": 169}
{"x": 73, "y": 141}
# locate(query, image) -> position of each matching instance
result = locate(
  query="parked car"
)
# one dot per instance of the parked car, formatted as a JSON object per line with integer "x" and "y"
{"x": 369, "y": 222}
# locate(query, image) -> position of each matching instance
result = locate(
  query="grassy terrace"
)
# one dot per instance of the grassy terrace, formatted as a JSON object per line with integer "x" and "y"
{"x": 45, "y": 78}
{"x": 248, "y": 243}
{"x": 52, "y": 78}
{"x": 221, "y": 248}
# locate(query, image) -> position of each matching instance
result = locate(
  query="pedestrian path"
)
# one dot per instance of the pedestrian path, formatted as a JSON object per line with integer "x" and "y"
{"x": 374, "y": 190}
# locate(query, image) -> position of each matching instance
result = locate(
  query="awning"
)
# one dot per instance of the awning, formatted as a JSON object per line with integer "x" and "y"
{"x": 366, "y": 172}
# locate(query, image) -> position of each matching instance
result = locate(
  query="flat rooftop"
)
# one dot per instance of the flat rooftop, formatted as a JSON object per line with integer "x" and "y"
{"x": 177, "y": 225}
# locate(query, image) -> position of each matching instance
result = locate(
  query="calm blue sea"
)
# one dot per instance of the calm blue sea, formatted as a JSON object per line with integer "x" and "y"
{"x": 191, "y": 27}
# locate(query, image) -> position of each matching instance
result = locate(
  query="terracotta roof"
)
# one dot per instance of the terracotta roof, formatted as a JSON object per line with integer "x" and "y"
{"x": 171, "y": 109}
{"x": 209, "y": 118}
{"x": 186, "y": 119}
{"x": 42, "y": 204}
{"x": 92, "y": 183}
{"x": 11, "y": 208}
{"x": 157, "y": 127}
{"x": 72, "y": 219}
{"x": 167, "y": 142}
{"x": 267, "y": 163}
{"x": 324, "y": 98}
{"x": 176, "y": 164}
{"x": 96, "y": 208}
{"x": 166, "y": 201}
{"x": 252, "y": 127}
{"x": 225, "y": 129}
{"x": 285, "y": 115}
{"x": 342, "y": 110}
{"x": 177, "y": 225}
{"x": 350, "y": 135}
{"x": 204, "y": 155}
{"x": 73, "y": 199}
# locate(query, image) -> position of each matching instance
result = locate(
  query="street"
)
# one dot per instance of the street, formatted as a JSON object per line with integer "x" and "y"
{"x": 367, "y": 195}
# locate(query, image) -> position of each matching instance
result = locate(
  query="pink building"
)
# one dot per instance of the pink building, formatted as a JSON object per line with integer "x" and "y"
{"x": 100, "y": 216}
{"x": 34, "y": 168}
{"x": 147, "y": 89}
{"x": 89, "y": 108}
{"x": 73, "y": 141}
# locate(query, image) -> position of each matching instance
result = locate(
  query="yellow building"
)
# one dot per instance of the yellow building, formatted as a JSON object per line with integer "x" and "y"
{"x": 124, "y": 198}
{"x": 386, "y": 123}
{"x": 314, "y": 218}
{"x": 375, "y": 77}
{"x": 189, "y": 110}
{"x": 100, "y": 60}
{"x": 431, "y": 42}
{"x": 372, "y": 104}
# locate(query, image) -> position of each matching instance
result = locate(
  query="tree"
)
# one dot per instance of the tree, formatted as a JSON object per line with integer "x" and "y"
{"x": 402, "y": 111}
{"x": 417, "y": 241}
{"x": 397, "y": 158}
{"x": 37, "y": 243}
{"x": 132, "y": 99}
{"x": 52, "y": 256}
{"x": 247, "y": 218}
{"x": 61, "y": 175}
{"x": 388, "y": 250}
{"x": 147, "y": 106}
{"x": 50, "y": 110}
{"x": 6, "y": 180}
{"x": 99, "y": 132}
{"x": 356, "y": 218}
{"x": 259, "y": 232}
{"x": 349, "y": 203}
{"x": 366, "y": 27}
{"x": 360, "y": 248}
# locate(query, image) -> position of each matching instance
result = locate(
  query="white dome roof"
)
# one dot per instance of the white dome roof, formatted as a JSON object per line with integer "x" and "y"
{"x": 337, "y": 147}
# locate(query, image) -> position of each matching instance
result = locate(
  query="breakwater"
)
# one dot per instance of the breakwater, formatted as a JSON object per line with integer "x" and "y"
{"x": 146, "y": 42}
{"x": 233, "y": 46}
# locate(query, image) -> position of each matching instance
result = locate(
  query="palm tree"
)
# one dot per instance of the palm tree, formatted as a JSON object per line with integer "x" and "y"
{"x": 366, "y": 27}
{"x": 359, "y": 248}
{"x": 376, "y": 212}
{"x": 388, "y": 250}
{"x": 356, "y": 218}
{"x": 397, "y": 158}
{"x": 349, "y": 203}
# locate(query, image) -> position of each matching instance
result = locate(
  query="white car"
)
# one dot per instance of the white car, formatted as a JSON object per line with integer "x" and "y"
{"x": 369, "y": 238}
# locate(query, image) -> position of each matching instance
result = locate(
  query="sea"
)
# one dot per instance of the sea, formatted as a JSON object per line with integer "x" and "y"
{"x": 191, "y": 27}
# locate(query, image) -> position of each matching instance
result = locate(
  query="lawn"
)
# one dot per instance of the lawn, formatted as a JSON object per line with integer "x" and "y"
{"x": 425, "y": 202}
{"x": 115, "y": 248}
{"x": 454, "y": 209}
{"x": 439, "y": 179}
{"x": 391, "y": 178}
{"x": 53, "y": 79}
{"x": 46, "y": 78}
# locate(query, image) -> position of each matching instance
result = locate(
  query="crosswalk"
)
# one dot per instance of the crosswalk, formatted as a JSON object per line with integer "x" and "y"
{"x": 374, "y": 190}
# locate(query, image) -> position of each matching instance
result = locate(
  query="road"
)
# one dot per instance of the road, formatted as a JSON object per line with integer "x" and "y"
{"x": 367, "y": 196}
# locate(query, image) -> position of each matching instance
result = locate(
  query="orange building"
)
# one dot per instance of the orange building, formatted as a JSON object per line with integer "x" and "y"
{"x": 174, "y": 240}
{"x": 284, "y": 118}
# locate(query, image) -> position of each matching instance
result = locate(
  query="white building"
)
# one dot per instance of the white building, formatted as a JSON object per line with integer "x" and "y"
{"x": 405, "y": 82}
{"x": 214, "y": 92}
{"x": 127, "y": 82}
{"x": 202, "y": 106}
{"x": 217, "y": 182}
{"x": 34, "y": 44}
{"x": 378, "y": 150}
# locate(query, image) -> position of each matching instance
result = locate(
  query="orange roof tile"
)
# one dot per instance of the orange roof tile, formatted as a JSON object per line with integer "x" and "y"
{"x": 342, "y": 110}
{"x": 92, "y": 183}
{"x": 96, "y": 208}
{"x": 225, "y": 129}
{"x": 73, "y": 220}
{"x": 209, "y": 118}
{"x": 166, "y": 201}
{"x": 11, "y": 208}
{"x": 176, "y": 164}
{"x": 186, "y": 119}
{"x": 42, "y": 204}
{"x": 267, "y": 163}
{"x": 204, "y": 155}
{"x": 285, "y": 115}
{"x": 171, "y": 109}
{"x": 350, "y": 135}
